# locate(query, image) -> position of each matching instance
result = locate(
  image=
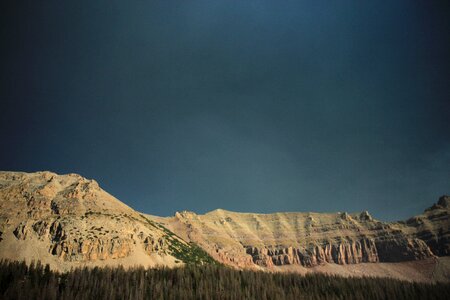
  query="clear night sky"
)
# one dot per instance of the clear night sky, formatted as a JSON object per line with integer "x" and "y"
{"x": 257, "y": 106}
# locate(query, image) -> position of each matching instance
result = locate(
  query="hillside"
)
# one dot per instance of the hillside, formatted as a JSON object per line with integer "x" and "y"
{"x": 68, "y": 221}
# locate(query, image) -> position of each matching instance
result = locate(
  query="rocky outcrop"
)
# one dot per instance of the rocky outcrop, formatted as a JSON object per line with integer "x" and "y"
{"x": 69, "y": 247}
{"x": 152, "y": 244}
{"x": 21, "y": 231}
{"x": 92, "y": 249}
{"x": 402, "y": 249}
{"x": 346, "y": 252}
{"x": 433, "y": 227}
{"x": 56, "y": 231}
{"x": 234, "y": 259}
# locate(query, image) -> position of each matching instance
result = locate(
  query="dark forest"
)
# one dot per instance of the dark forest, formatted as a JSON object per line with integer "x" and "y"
{"x": 36, "y": 281}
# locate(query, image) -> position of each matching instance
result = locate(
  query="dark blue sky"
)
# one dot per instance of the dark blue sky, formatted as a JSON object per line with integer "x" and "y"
{"x": 258, "y": 106}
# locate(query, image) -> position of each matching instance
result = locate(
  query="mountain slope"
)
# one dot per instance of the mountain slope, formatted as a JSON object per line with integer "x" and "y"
{"x": 67, "y": 221}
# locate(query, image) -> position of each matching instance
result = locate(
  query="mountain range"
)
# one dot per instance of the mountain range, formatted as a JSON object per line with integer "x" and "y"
{"x": 68, "y": 221}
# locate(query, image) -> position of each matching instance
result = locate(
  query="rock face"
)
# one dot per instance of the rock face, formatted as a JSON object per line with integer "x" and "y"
{"x": 92, "y": 249}
{"x": 433, "y": 227}
{"x": 311, "y": 239}
{"x": 348, "y": 252}
{"x": 65, "y": 220}
{"x": 343, "y": 253}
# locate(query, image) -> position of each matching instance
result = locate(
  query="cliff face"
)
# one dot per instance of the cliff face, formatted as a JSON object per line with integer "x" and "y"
{"x": 352, "y": 251}
{"x": 311, "y": 239}
{"x": 67, "y": 220}
{"x": 433, "y": 227}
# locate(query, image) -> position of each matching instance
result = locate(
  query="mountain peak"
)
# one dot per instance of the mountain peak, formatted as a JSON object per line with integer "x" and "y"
{"x": 444, "y": 201}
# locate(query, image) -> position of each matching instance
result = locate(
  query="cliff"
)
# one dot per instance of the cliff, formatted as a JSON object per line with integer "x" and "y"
{"x": 314, "y": 239}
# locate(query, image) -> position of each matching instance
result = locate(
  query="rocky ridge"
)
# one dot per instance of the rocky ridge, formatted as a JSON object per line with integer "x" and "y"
{"x": 312, "y": 239}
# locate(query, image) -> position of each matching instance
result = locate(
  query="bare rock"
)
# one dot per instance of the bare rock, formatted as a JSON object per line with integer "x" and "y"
{"x": 444, "y": 201}
{"x": 402, "y": 249}
{"x": 346, "y": 252}
{"x": 92, "y": 249}
{"x": 21, "y": 231}
{"x": 365, "y": 216}
{"x": 152, "y": 244}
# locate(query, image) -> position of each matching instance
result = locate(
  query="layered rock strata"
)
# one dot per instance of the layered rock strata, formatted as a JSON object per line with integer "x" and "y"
{"x": 311, "y": 239}
{"x": 348, "y": 252}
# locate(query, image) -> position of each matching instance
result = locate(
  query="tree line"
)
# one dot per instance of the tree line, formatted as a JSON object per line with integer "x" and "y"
{"x": 36, "y": 281}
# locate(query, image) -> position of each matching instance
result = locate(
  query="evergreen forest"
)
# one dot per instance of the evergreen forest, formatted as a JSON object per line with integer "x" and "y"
{"x": 36, "y": 281}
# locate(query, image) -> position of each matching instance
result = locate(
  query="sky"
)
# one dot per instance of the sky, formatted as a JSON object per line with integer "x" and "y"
{"x": 250, "y": 106}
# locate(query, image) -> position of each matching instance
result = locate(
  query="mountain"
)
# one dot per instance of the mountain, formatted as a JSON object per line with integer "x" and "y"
{"x": 68, "y": 221}
{"x": 311, "y": 239}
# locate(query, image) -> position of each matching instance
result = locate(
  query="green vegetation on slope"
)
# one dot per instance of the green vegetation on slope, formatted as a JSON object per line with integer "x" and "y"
{"x": 19, "y": 281}
{"x": 188, "y": 253}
